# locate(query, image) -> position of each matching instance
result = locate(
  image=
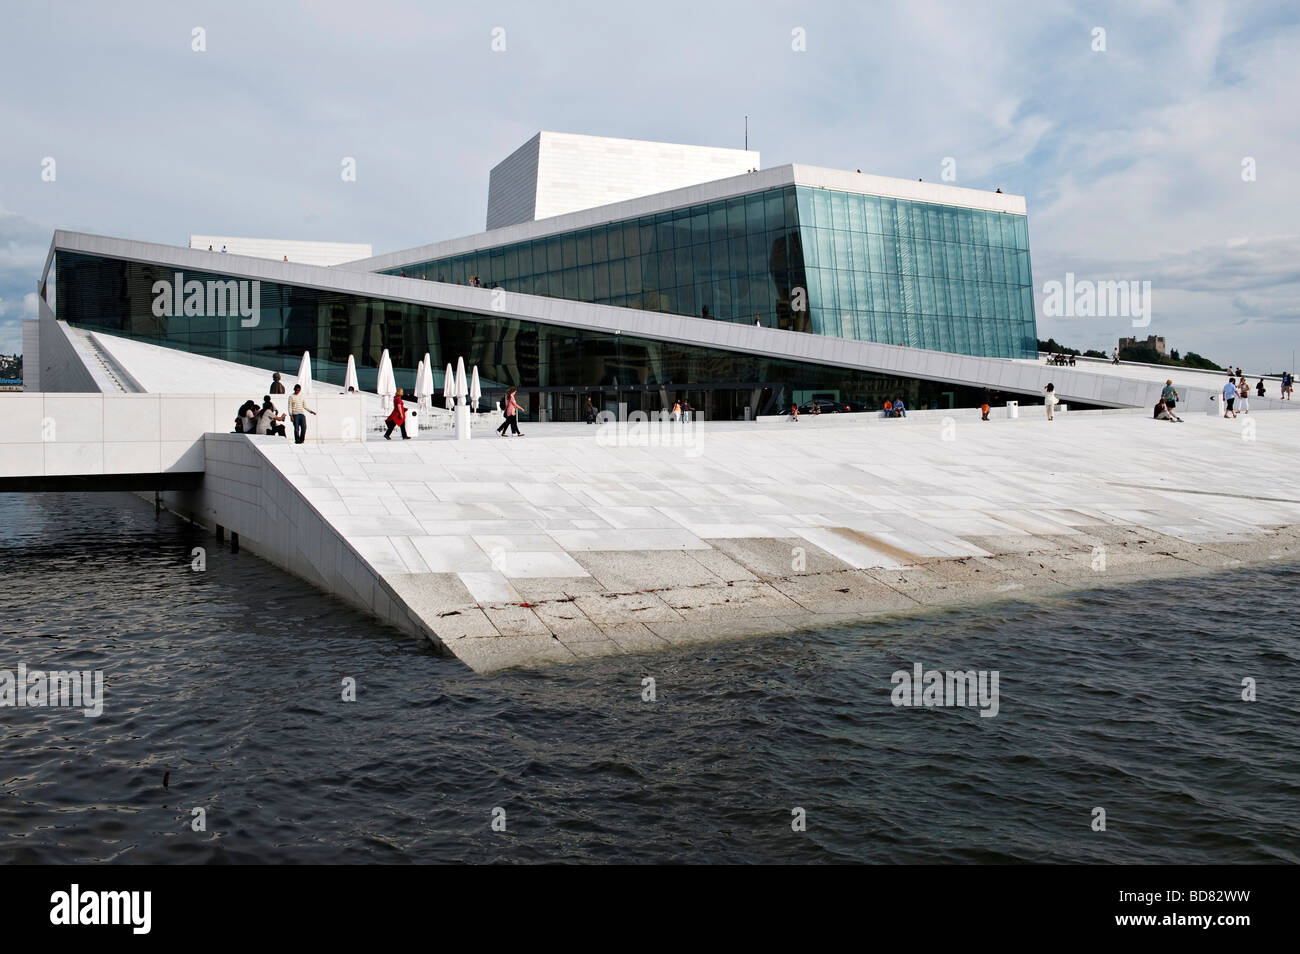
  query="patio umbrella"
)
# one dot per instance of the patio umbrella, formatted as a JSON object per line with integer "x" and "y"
{"x": 427, "y": 390}
{"x": 304, "y": 372}
{"x": 350, "y": 376}
{"x": 385, "y": 383}
{"x": 448, "y": 385}
{"x": 419, "y": 380}
{"x": 462, "y": 386}
{"x": 475, "y": 392}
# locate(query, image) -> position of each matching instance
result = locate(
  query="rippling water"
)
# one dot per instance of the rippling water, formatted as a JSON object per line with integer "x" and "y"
{"x": 230, "y": 680}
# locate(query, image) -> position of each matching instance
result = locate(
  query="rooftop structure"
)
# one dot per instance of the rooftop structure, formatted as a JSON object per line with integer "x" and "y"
{"x": 554, "y": 173}
{"x": 294, "y": 250}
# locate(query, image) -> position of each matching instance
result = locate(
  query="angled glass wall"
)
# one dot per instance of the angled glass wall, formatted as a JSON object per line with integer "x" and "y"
{"x": 554, "y": 367}
{"x": 874, "y": 269}
{"x": 736, "y": 259}
{"x": 918, "y": 274}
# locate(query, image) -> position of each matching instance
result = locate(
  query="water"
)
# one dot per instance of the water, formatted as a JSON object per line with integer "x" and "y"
{"x": 230, "y": 680}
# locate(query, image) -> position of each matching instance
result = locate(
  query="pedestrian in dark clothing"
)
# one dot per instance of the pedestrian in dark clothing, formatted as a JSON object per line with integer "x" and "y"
{"x": 276, "y": 386}
{"x": 511, "y": 413}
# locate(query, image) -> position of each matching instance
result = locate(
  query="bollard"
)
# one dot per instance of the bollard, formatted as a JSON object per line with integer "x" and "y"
{"x": 1013, "y": 409}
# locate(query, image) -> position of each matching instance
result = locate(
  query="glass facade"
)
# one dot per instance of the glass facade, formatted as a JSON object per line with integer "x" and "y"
{"x": 555, "y": 368}
{"x": 804, "y": 259}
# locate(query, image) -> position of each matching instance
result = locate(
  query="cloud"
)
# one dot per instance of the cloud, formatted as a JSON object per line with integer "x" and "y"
{"x": 1130, "y": 160}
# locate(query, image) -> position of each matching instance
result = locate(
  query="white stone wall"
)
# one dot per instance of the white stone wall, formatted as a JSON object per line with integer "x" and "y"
{"x": 62, "y": 434}
{"x": 63, "y": 366}
{"x": 557, "y": 173}
{"x": 31, "y": 355}
{"x": 585, "y": 172}
{"x": 244, "y": 493}
{"x": 512, "y": 187}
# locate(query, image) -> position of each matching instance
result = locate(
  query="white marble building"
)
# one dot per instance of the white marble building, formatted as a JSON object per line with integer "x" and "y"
{"x": 554, "y": 173}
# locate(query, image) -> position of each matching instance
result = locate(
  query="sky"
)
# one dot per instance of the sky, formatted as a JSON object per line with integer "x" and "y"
{"x": 1154, "y": 141}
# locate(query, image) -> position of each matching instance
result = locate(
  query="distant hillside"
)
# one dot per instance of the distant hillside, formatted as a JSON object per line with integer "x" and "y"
{"x": 1142, "y": 355}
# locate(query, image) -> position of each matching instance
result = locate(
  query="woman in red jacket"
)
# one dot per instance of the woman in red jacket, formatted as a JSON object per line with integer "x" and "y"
{"x": 397, "y": 418}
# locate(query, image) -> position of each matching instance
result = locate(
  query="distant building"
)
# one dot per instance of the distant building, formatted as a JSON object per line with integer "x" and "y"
{"x": 1152, "y": 342}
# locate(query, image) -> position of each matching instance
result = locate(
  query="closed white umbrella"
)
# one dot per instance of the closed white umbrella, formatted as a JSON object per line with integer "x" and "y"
{"x": 427, "y": 389}
{"x": 304, "y": 372}
{"x": 385, "y": 383}
{"x": 448, "y": 385}
{"x": 428, "y": 384}
{"x": 419, "y": 381}
{"x": 462, "y": 386}
{"x": 475, "y": 392}
{"x": 350, "y": 376}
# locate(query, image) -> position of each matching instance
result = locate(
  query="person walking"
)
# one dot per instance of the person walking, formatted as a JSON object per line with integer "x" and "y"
{"x": 1288, "y": 384}
{"x": 511, "y": 413}
{"x": 1114, "y": 355}
{"x": 794, "y": 413}
{"x": 1169, "y": 395}
{"x": 1230, "y": 397}
{"x": 589, "y": 410}
{"x": 677, "y": 411}
{"x": 1050, "y": 400}
{"x": 1243, "y": 396}
{"x": 297, "y": 407}
{"x": 397, "y": 418}
{"x": 277, "y": 387}
{"x": 1259, "y": 388}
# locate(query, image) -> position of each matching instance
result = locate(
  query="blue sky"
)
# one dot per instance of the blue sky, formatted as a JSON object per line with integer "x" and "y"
{"x": 1130, "y": 158}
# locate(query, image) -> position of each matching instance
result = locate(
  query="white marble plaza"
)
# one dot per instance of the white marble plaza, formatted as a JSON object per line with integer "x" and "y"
{"x": 563, "y": 544}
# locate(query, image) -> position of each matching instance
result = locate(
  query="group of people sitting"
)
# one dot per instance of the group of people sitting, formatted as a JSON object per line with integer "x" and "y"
{"x": 895, "y": 408}
{"x": 1065, "y": 359}
{"x": 264, "y": 420}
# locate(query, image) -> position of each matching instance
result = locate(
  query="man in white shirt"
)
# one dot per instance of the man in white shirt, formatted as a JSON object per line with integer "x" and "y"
{"x": 297, "y": 405}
